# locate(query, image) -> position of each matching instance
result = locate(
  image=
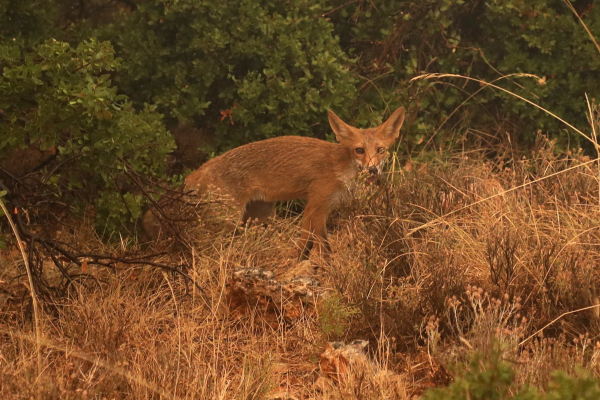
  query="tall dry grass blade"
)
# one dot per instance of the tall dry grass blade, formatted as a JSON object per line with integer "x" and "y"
{"x": 36, "y": 314}
{"x": 517, "y": 75}
{"x": 593, "y": 123}
{"x": 178, "y": 372}
{"x": 568, "y": 3}
{"x": 555, "y": 320}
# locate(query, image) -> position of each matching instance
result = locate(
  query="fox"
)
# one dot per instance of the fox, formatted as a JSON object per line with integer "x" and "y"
{"x": 255, "y": 176}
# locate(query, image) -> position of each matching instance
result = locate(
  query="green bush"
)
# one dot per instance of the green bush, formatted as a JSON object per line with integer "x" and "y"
{"x": 273, "y": 68}
{"x": 396, "y": 40}
{"x": 244, "y": 71}
{"x": 28, "y": 23}
{"x": 544, "y": 38}
{"x": 334, "y": 315}
{"x": 61, "y": 98}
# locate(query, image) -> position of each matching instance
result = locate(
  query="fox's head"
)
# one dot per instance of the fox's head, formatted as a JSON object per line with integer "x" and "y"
{"x": 369, "y": 147}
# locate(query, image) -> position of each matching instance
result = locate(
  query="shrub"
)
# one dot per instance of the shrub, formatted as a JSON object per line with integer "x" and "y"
{"x": 492, "y": 379}
{"x": 395, "y": 40}
{"x": 27, "y": 23}
{"x": 334, "y": 315}
{"x": 242, "y": 70}
{"x": 61, "y": 98}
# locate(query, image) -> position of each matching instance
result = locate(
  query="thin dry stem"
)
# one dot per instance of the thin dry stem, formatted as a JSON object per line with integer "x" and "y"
{"x": 593, "y": 123}
{"x": 34, "y": 301}
{"x": 555, "y": 320}
{"x": 568, "y": 3}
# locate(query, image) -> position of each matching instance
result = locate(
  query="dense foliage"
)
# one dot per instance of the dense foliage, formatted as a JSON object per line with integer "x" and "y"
{"x": 544, "y": 38}
{"x": 60, "y": 98}
{"x": 28, "y": 23}
{"x": 484, "y": 40}
{"x": 242, "y": 70}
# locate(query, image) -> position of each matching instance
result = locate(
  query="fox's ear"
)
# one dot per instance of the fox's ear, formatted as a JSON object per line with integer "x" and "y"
{"x": 343, "y": 131}
{"x": 390, "y": 129}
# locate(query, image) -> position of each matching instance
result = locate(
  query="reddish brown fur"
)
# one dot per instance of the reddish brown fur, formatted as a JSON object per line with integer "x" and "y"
{"x": 257, "y": 175}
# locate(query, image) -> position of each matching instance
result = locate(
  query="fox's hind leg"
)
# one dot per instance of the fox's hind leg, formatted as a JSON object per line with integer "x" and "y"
{"x": 258, "y": 210}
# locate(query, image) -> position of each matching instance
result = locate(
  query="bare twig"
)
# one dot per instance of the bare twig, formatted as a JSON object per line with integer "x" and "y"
{"x": 337, "y": 8}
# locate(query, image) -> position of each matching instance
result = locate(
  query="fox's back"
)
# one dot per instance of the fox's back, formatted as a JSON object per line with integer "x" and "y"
{"x": 281, "y": 168}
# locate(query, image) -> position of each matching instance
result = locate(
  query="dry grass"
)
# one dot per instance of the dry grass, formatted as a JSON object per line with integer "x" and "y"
{"x": 440, "y": 260}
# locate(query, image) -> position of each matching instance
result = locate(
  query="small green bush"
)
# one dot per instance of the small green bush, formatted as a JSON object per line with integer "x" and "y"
{"x": 334, "y": 315}
{"x": 492, "y": 379}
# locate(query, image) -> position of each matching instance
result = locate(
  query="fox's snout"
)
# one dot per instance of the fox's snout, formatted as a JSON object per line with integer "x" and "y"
{"x": 375, "y": 164}
{"x": 373, "y": 172}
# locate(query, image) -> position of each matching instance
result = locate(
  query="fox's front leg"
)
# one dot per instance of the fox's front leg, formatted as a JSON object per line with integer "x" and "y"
{"x": 314, "y": 227}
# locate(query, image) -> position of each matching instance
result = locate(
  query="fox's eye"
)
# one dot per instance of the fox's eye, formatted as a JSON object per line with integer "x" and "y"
{"x": 360, "y": 150}
{"x": 381, "y": 150}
